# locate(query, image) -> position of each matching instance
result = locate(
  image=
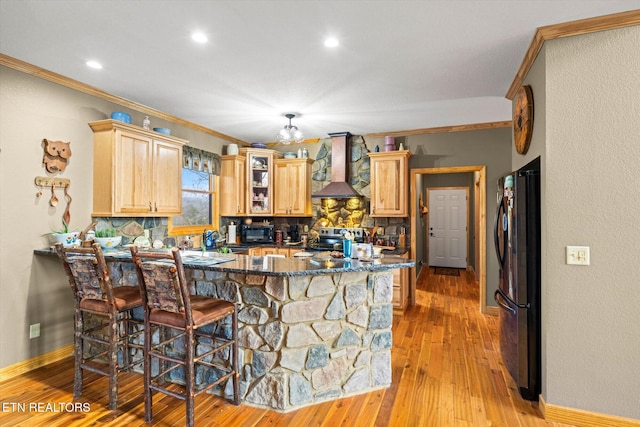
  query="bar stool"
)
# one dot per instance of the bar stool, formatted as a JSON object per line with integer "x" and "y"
{"x": 179, "y": 319}
{"x": 111, "y": 306}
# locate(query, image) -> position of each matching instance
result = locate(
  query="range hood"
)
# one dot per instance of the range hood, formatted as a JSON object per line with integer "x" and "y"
{"x": 340, "y": 154}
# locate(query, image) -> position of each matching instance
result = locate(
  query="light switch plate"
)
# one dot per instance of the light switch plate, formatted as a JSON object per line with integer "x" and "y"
{"x": 34, "y": 330}
{"x": 578, "y": 255}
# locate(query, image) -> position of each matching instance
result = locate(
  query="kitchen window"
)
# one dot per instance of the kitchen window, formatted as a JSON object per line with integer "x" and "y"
{"x": 199, "y": 199}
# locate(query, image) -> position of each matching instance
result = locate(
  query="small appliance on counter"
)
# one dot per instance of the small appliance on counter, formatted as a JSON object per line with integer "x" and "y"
{"x": 294, "y": 233}
{"x": 279, "y": 237}
{"x": 255, "y": 233}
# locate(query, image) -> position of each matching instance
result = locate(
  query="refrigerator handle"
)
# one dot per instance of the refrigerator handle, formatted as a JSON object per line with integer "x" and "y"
{"x": 496, "y": 237}
{"x": 497, "y": 296}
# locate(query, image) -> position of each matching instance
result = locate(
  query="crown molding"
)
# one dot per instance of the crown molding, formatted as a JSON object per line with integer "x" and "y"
{"x": 568, "y": 29}
{"x": 444, "y": 129}
{"x": 42, "y": 73}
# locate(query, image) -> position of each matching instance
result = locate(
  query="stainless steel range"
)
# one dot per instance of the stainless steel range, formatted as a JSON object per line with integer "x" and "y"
{"x": 331, "y": 237}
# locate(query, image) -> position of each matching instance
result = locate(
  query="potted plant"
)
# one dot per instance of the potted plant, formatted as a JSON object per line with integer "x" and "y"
{"x": 107, "y": 238}
{"x": 64, "y": 236}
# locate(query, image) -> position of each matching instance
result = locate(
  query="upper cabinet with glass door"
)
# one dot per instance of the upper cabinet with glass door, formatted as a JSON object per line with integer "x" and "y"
{"x": 259, "y": 180}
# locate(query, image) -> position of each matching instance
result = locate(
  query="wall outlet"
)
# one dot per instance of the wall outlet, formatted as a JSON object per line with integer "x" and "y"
{"x": 578, "y": 255}
{"x": 34, "y": 331}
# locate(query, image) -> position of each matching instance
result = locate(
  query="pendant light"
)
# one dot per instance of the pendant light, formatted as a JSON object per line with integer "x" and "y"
{"x": 290, "y": 133}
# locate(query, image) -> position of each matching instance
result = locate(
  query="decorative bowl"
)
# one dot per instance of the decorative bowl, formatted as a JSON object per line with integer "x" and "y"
{"x": 163, "y": 130}
{"x": 67, "y": 239}
{"x": 258, "y": 145}
{"x": 121, "y": 116}
{"x": 108, "y": 242}
{"x": 290, "y": 155}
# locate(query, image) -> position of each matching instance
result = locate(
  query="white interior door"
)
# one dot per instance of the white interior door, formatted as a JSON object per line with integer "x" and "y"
{"x": 447, "y": 228}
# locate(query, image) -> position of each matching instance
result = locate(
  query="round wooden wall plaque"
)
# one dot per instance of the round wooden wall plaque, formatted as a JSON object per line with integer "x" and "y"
{"x": 523, "y": 119}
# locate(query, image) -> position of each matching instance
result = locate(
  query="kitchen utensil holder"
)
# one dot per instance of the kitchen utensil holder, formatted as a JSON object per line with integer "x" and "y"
{"x": 46, "y": 181}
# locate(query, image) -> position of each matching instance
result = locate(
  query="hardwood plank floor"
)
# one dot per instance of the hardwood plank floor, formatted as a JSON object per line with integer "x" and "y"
{"x": 446, "y": 368}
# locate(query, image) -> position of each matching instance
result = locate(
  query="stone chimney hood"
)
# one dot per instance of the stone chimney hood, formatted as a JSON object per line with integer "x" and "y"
{"x": 340, "y": 154}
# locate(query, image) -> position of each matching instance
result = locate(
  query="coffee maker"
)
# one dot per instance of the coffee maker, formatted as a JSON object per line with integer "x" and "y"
{"x": 294, "y": 233}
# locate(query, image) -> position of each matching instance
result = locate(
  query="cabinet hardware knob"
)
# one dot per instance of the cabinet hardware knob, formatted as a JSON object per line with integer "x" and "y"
{"x": 150, "y": 209}
{"x": 156, "y": 206}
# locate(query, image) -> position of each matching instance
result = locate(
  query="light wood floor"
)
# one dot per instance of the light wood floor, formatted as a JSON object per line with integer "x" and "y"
{"x": 446, "y": 372}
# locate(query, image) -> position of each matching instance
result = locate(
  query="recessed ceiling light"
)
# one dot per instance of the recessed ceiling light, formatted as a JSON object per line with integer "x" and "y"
{"x": 94, "y": 64}
{"x": 199, "y": 37}
{"x": 331, "y": 42}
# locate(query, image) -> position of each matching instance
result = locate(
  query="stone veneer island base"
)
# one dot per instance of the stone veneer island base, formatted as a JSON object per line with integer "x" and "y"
{"x": 307, "y": 339}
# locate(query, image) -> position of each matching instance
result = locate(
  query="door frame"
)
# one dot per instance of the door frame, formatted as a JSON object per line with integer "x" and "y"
{"x": 480, "y": 219}
{"x": 468, "y": 240}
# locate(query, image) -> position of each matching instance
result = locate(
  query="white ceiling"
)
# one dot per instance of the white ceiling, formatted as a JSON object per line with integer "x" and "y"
{"x": 400, "y": 65}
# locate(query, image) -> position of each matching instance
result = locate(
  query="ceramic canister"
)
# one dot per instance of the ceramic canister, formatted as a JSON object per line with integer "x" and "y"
{"x": 389, "y": 143}
{"x": 232, "y": 149}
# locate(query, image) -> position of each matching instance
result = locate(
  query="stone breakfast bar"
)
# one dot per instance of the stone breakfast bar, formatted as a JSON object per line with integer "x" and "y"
{"x": 309, "y": 329}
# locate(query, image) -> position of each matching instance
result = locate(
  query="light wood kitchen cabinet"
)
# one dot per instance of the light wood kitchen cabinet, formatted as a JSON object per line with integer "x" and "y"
{"x": 389, "y": 183}
{"x": 293, "y": 251}
{"x": 273, "y": 250}
{"x": 136, "y": 172}
{"x": 233, "y": 187}
{"x": 260, "y": 180}
{"x": 400, "y": 287}
{"x": 283, "y": 251}
{"x": 269, "y": 250}
{"x": 255, "y": 251}
{"x": 292, "y": 190}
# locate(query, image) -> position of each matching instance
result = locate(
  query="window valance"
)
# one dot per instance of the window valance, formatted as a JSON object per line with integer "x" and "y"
{"x": 200, "y": 160}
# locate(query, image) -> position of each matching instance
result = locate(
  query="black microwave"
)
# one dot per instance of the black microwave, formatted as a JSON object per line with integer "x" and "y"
{"x": 256, "y": 233}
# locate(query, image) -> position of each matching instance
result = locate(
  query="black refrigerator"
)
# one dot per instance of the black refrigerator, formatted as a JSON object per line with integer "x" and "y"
{"x": 517, "y": 242}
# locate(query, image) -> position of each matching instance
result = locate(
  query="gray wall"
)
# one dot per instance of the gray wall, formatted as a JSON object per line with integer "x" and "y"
{"x": 587, "y": 128}
{"x": 33, "y": 289}
{"x": 490, "y": 148}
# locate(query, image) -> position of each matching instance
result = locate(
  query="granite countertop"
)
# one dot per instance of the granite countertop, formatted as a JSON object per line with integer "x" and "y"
{"x": 247, "y": 246}
{"x": 317, "y": 263}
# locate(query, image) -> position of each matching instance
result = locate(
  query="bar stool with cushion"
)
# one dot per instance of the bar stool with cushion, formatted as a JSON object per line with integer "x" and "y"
{"x": 185, "y": 324}
{"x": 110, "y": 327}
